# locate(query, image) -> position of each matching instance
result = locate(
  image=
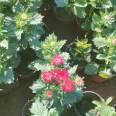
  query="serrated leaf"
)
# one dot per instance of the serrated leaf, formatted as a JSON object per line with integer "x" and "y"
{"x": 91, "y": 69}
{"x": 8, "y": 76}
{"x": 38, "y": 109}
{"x": 73, "y": 69}
{"x": 61, "y": 3}
{"x": 65, "y": 56}
{"x": 37, "y": 86}
{"x": 40, "y": 65}
{"x": 99, "y": 42}
{"x": 80, "y": 3}
{"x": 34, "y": 43}
{"x": 36, "y": 19}
{"x": 79, "y": 12}
{"x": 71, "y": 98}
{"x": 4, "y": 44}
{"x": 18, "y": 34}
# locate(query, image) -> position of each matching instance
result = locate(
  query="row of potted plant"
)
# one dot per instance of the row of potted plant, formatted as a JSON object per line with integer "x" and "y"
{"x": 96, "y": 53}
{"x": 20, "y": 26}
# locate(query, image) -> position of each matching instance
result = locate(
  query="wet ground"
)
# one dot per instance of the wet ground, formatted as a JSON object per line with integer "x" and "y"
{"x": 12, "y": 103}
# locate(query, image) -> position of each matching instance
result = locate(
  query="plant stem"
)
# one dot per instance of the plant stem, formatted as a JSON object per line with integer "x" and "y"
{"x": 98, "y": 95}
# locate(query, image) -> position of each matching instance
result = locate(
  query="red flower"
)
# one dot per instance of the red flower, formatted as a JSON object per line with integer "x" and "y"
{"x": 79, "y": 81}
{"x": 61, "y": 75}
{"x": 57, "y": 60}
{"x": 47, "y": 76}
{"x": 68, "y": 86}
{"x": 49, "y": 94}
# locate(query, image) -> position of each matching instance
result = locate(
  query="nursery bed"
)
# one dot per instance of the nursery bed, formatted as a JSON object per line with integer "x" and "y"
{"x": 12, "y": 104}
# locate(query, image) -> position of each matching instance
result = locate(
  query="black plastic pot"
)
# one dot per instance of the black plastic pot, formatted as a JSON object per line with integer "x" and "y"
{"x": 7, "y": 88}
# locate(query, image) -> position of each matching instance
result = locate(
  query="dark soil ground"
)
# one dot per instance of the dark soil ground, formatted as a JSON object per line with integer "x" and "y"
{"x": 12, "y": 104}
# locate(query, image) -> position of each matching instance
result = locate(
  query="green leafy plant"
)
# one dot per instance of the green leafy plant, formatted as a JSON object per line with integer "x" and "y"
{"x": 20, "y": 26}
{"x": 83, "y": 50}
{"x": 102, "y": 109}
{"x": 59, "y": 86}
{"x": 106, "y": 51}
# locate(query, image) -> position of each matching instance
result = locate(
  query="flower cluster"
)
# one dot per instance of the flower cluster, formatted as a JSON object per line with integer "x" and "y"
{"x": 57, "y": 60}
{"x": 60, "y": 76}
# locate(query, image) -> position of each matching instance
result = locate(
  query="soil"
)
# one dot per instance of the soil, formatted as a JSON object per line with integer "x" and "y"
{"x": 13, "y": 103}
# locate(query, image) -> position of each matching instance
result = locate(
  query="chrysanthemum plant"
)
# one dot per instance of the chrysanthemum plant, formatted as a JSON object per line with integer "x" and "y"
{"x": 20, "y": 26}
{"x": 8, "y": 61}
{"x": 58, "y": 87}
{"x": 105, "y": 61}
{"x": 24, "y": 24}
{"x": 102, "y": 108}
{"x": 82, "y": 51}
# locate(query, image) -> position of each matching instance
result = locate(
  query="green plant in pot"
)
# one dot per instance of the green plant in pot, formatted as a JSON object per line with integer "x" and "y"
{"x": 102, "y": 108}
{"x": 104, "y": 64}
{"x": 8, "y": 59}
{"x": 81, "y": 53}
{"x": 58, "y": 87}
{"x": 97, "y": 72}
{"x": 24, "y": 26}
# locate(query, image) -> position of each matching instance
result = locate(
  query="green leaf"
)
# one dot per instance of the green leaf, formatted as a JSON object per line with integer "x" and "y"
{"x": 113, "y": 2}
{"x": 104, "y": 109}
{"x": 37, "y": 86}
{"x": 18, "y": 34}
{"x": 36, "y": 19}
{"x": 65, "y": 56}
{"x": 108, "y": 101}
{"x": 71, "y": 98}
{"x": 80, "y": 3}
{"x": 99, "y": 42}
{"x": 97, "y": 23}
{"x": 4, "y": 44}
{"x": 101, "y": 56}
{"x": 38, "y": 109}
{"x": 79, "y": 12}
{"x": 91, "y": 69}
{"x": 61, "y": 3}
{"x": 8, "y": 76}
{"x": 73, "y": 69}
{"x": 53, "y": 112}
{"x": 91, "y": 113}
{"x": 114, "y": 68}
{"x": 40, "y": 65}
{"x": 34, "y": 43}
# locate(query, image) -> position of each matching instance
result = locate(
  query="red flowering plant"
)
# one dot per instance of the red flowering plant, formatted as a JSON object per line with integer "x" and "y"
{"x": 59, "y": 86}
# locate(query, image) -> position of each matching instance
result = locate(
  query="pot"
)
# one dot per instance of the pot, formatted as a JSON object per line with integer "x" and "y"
{"x": 80, "y": 71}
{"x": 7, "y": 88}
{"x": 97, "y": 79}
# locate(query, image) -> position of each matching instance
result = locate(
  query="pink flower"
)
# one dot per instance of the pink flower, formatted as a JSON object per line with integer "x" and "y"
{"x": 79, "y": 81}
{"x": 48, "y": 76}
{"x": 61, "y": 75}
{"x": 57, "y": 60}
{"x": 49, "y": 94}
{"x": 114, "y": 41}
{"x": 68, "y": 86}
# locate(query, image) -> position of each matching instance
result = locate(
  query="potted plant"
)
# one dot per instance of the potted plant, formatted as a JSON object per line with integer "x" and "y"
{"x": 81, "y": 53}
{"x": 102, "y": 108}
{"x": 59, "y": 86}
